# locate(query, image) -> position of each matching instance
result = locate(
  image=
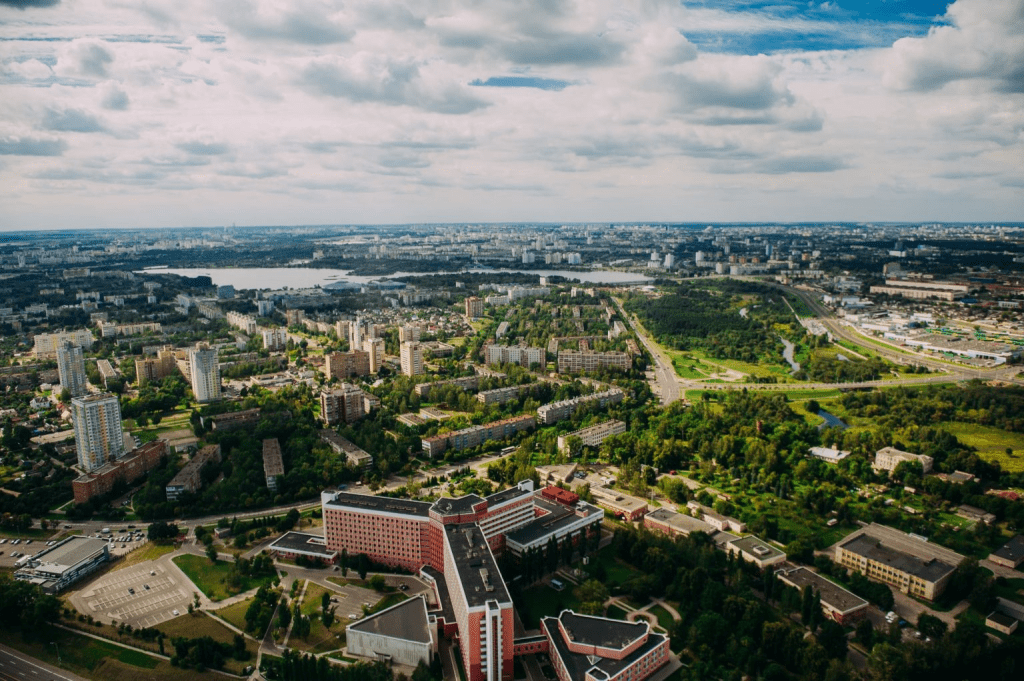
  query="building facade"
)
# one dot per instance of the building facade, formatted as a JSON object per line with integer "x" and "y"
{"x": 188, "y": 478}
{"x": 129, "y": 468}
{"x": 344, "y": 365}
{"x": 273, "y": 463}
{"x": 98, "y": 435}
{"x": 593, "y": 436}
{"x": 71, "y": 369}
{"x": 475, "y": 435}
{"x": 411, "y": 356}
{"x": 275, "y": 340}
{"x": 514, "y": 354}
{"x": 204, "y": 373}
{"x": 887, "y": 458}
{"x": 46, "y": 344}
{"x": 573, "y": 361}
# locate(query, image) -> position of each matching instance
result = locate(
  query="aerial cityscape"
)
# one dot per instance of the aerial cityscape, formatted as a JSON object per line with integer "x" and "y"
{"x": 512, "y": 342}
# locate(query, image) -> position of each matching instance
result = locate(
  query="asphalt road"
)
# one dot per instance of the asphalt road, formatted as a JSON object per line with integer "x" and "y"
{"x": 664, "y": 372}
{"x": 17, "y": 666}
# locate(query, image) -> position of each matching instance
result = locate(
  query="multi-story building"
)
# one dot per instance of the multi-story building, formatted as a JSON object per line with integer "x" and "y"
{"x": 273, "y": 464}
{"x": 71, "y": 368}
{"x": 98, "y": 435}
{"x": 513, "y": 354}
{"x": 475, "y": 435}
{"x": 204, "y": 373}
{"x": 837, "y": 603}
{"x": 246, "y": 323}
{"x": 294, "y": 316}
{"x": 588, "y": 648}
{"x": 58, "y": 567}
{"x": 913, "y": 565}
{"x": 465, "y": 383}
{"x": 887, "y": 458}
{"x": 474, "y": 307}
{"x": 502, "y": 395}
{"x": 344, "y": 404}
{"x": 374, "y": 348}
{"x": 188, "y": 478}
{"x": 557, "y": 411}
{"x": 46, "y": 344}
{"x": 129, "y": 468}
{"x": 409, "y": 333}
{"x": 353, "y": 454}
{"x": 156, "y": 368}
{"x": 264, "y": 307}
{"x": 452, "y": 544}
{"x": 670, "y": 522}
{"x": 342, "y": 365}
{"x": 593, "y": 436}
{"x": 572, "y": 361}
{"x": 411, "y": 356}
{"x": 275, "y": 340}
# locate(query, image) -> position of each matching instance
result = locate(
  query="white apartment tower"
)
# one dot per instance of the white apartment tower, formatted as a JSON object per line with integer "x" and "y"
{"x": 412, "y": 358}
{"x": 374, "y": 347}
{"x": 98, "y": 435}
{"x": 204, "y": 372}
{"x": 71, "y": 367}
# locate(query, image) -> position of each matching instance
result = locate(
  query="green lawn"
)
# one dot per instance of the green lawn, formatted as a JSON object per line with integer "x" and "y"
{"x": 311, "y": 601}
{"x": 235, "y": 614}
{"x": 199, "y": 625}
{"x": 212, "y": 578}
{"x": 149, "y": 551}
{"x": 541, "y": 601}
{"x": 616, "y": 613}
{"x": 320, "y": 639}
{"x": 78, "y": 653}
{"x": 991, "y": 443}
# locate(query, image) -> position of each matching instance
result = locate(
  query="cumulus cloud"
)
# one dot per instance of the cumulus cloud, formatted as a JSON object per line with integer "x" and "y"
{"x": 734, "y": 82}
{"x": 368, "y": 77}
{"x": 309, "y": 22}
{"x": 203, "y": 148}
{"x": 71, "y": 120}
{"x": 84, "y": 57}
{"x": 983, "y": 40}
{"x": 114, "y": 97}
{"x": 29, "y": 69}
{"x": 31, "y": 146}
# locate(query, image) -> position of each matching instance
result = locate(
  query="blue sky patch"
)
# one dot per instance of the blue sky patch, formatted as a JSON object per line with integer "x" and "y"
{"x": 522, "y": 81}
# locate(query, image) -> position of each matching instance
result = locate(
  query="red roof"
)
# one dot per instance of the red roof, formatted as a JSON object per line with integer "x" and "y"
{"x": 560, "y": 495}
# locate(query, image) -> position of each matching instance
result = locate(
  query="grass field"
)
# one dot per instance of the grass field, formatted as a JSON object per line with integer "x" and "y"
{"x": 311, "y": 602}
{"x": 79, "y": 653}
{"x": 665, "y": 620}
{"x": 149, "y": 551}
{"x": 210, "y": 578}
{"x": 541, "y": 601}
{"x": 991, "y": 443}
{"x": 199, "y": 625}
{"x": 235, "y": 614}
{"x": 320, "y": 639}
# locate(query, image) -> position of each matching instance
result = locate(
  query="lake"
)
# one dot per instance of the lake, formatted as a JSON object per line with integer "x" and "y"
{"x": 308, "y": 277}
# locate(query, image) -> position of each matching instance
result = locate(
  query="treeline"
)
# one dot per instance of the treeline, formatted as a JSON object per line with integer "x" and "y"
{"x": 1001, "y": 407}
{"x": 832, "y": 370}
{"x": 24, "y": 606}
{"x": 295, "y": 666}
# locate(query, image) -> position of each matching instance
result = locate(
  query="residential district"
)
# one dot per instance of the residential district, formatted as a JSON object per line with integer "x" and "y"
{"x": 576, "y": 452}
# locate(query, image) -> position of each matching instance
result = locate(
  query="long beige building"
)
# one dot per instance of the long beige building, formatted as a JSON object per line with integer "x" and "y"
{"x": 913, "y": 565}
{"x": 570, "y": 361}
{"x": 887, "y": 458}
{"x": 593, "y": 436}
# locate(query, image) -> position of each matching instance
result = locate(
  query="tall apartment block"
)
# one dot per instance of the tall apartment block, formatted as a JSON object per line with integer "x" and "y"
{"x": 474, "y": 307}
{"x": 409, "y": 332}
{"x": 342, "y": 365}
{"x": 514, "y": 354}
{"x": 374, "y": 347}
{"x": 98, "y": 435}
{"x": 204, "y": 372}
{"x": 71, "y": 368}
{"x": 342, "y": 405}
{"x": 275, "y": 340}
{"x": 46, "y": 344}
{"x": 153, "y": 369}
{"x": 412, "y": 358}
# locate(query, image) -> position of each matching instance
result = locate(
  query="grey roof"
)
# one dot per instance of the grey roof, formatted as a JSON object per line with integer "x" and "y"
{"x": 601, "y": 631}
{"x": 69, "y": 553}
{"x": 578, "y": 665}
{"x": 832, "y": 595}
{"x": 930, "y": 570}
{"x": 365, "y": 502}
{"x": 680, "y": 522}
{"x": 1012, "y": 550}
{"x": 477, "y": 570}
{"x": 558, "y": 515}
{"x": 1001, "y": 618}
{"x": 505, "y": 495}
{"x": 406, "y": 621}
{"x": 755, "y": 547}
{"x": 444, "y": 608}
{"x": 457, "y": 506}
{"x": 301, "y": 541}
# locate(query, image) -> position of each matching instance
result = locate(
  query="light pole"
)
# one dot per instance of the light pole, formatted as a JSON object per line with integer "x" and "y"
{"x": 54, "y": 644}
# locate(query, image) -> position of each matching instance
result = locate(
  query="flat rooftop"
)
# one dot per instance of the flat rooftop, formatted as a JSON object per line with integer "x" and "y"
{"x": 832, "y": 595}
{"x": 366, "y": 502}
{"x": 930, "y": 570}
{"x": 300, "y": 541}
{"x": 1012, "y": 550}
{"x": 756, "y": 547}
{"x": 680, "y": 522}
{"x": 578, "y": 665}
{"x": 406, "y": 621}
{"x": 506, "y": 495}
{"x": 556, "y": 516}
{"x": 67, "y": 554}
{"x": 477, "y": 570}
{"x": 456, "y": 506}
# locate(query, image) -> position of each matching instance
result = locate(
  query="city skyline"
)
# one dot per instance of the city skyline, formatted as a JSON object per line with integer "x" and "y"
{"x": 167, "y": 114}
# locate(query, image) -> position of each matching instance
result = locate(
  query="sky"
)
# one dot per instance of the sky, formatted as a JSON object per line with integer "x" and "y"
{"x": 161, "y": 113}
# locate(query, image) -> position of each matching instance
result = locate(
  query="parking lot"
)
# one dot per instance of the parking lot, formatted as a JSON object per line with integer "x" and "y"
{"x": 109, "y": 598}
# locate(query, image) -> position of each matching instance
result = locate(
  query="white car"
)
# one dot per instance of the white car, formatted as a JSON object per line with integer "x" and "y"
{"x": 176, "y": 613}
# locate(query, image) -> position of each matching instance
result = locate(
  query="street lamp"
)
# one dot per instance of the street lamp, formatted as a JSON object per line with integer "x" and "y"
{"x": 54, "y": 644}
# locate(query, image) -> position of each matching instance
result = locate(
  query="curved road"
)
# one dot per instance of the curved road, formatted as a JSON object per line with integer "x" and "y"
{"x": 671, "y": 387}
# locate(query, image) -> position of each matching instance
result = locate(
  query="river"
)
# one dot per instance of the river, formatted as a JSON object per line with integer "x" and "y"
{"x": 787, "y": 354}
{"x": 308, "y": 277}
{"x": 831, "y": 421}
